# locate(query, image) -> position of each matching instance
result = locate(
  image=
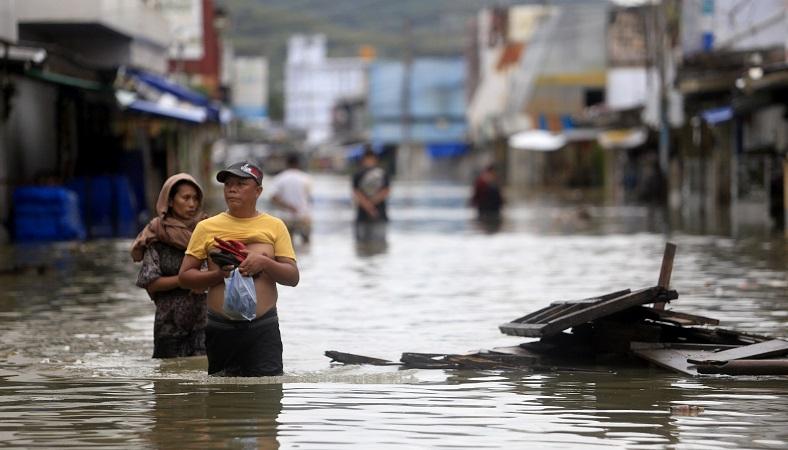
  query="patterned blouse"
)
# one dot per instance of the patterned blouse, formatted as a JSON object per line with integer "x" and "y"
{"x": 179, "y": 312}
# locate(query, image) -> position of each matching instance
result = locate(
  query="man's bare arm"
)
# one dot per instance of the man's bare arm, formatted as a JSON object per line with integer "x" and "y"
{"x": 191, "y": 277}
{"x": 277, "y": 200}
{"x": 280, "y": 269}
{"x": 380, "y": 196}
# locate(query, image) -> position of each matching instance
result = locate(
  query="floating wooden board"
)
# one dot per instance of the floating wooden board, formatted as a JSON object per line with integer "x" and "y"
{"x": 754, "y": 351}
{"x": 676, "y": 317}
{"x": 349, "y": 358}
{"x": 675, "y": 356}
{"x": 487, "y": 360}
{"x": 747, "y": 367}
{"x": 563, "y": 315}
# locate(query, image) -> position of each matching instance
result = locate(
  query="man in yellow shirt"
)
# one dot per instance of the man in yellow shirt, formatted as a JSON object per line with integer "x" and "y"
{"x": 240, "y": 347}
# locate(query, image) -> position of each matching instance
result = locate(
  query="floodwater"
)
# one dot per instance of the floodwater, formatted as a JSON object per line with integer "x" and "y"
{"x": 76, "y": 339}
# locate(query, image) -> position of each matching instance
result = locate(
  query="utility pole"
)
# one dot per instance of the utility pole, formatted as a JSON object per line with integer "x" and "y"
{"x": 662, "y": 52}
{"x": 405, "y": 118}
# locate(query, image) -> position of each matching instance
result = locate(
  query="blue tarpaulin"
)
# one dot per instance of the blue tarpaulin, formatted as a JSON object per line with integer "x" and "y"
{"x": 164, "y": 85}
{"x": 717, "y": 115}
{"x": 187, "y": 114}
{"x": 436, "y": 101}
{"x": 194, "y": 106}
{"x": 447, "y": 149}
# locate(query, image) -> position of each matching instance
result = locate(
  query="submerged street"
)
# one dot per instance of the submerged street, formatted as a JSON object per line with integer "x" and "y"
{"x": 76, "y": 338}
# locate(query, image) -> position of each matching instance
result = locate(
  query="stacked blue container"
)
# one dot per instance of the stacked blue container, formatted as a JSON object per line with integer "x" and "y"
{"x": 47, "y": 213}
{"x": 107, "y": 205}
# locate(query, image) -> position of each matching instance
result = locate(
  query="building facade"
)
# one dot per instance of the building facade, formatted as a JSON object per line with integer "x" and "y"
{"x": 314, "y": 84}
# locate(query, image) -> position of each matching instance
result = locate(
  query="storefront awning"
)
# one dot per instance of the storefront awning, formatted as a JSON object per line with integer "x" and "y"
{"x": 537, "y": 140}
{"x": 625, "y": 138}
{"x": 164, "y": 85}
{"x": 35, "y": 55}
{"x": 717, "y": 115}
{"x": 149, "y": 93}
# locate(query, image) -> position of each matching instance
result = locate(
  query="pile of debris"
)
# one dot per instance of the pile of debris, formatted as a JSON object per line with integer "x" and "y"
{"x": 615, "y": 328}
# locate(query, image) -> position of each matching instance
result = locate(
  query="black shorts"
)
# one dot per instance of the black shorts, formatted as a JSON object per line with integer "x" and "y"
{"x": 237, "y": 348}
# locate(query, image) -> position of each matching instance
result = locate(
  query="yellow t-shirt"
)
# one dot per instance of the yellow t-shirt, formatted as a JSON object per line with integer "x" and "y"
{"x": 261, "y": 229}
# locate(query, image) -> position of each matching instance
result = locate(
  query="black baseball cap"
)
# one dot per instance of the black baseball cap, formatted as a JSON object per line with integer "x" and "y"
{"x": 242, "y": 169}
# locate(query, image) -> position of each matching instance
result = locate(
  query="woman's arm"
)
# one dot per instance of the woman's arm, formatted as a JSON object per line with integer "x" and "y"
{"x": 163, "y": 284}
{"x": 150, "y": 277}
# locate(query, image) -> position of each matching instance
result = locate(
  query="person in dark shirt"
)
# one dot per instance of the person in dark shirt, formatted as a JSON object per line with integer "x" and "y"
{"x": 487, "y": 196}
{"x": 370, "y": 191}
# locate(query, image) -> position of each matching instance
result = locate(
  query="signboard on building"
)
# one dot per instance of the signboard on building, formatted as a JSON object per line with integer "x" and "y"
{"x": 186, "y": 27}
{"x": 250, "y": 88}
{"x": 626, "y": 37}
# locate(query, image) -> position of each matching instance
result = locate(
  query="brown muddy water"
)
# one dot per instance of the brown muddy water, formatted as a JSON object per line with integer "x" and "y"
{"x": 76, "y": 340}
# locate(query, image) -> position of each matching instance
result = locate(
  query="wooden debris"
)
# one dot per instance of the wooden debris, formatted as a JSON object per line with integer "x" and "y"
{"x": 676, "y": 317}
{"x": 557, "y": 318}
{"x": 747, "y": 367}
{"x": 577, "y": 335}
{"x": 674, "y": 356}
{"x": 485, "y": 360}
{"x": 665, "y": 271}
{"x": 349, "y": 358}
{"x": 754, "y": 351}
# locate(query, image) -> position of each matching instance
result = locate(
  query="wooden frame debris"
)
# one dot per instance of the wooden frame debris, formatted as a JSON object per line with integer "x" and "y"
{"x": 576, "y": 334}
{"x": 560, "y": 316}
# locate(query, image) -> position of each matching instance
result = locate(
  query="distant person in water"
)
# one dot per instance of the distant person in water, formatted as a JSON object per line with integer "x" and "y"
{"x": 291, "y": 193}
{"x": 370, "y": 192}
{"x": 487, "y": 196}
{"x": 179, "y": 323}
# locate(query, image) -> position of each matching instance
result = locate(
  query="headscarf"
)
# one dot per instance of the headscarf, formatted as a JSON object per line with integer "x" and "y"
{"x": 165, "y": 227}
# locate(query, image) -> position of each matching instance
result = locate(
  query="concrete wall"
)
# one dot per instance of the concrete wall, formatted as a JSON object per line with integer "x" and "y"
{"x": 734, "y": 25}
{"x": 578, "y": 40}
{"x": 105, "y": 33}
{"x": 28, "y": 141}
{"x": 8, "y": 21}
{"x": 32, "y": 127}
{"x": 130, "y": 18}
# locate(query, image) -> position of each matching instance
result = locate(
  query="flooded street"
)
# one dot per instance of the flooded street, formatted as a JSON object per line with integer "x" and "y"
{"x": 76, "y": 339}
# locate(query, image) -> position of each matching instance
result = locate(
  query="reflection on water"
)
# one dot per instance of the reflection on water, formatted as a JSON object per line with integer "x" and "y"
{"x": 76, "y": 339}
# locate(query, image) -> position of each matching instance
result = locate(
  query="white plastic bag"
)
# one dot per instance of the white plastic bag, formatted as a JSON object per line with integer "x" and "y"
{"x": 240, "y": 297}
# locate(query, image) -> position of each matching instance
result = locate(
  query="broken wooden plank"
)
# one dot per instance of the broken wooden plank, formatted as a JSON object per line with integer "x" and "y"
{"x": 533, "y": 326}
{"x": 485, "y": 360}
{"x": 747, "y": 367}
{"x": 674, "y": 356}
{"x": 711, "y": 336}
{"x": 349, "y": 358}
{"x": 753, "y": 351}
{"x": 676, "y": 317}
{"x": 593, "y": 299}
{"x": 665, "y": 271}
{"x": 564, "y": 306}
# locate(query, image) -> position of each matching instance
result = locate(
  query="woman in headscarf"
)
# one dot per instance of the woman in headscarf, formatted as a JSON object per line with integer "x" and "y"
{"x": 179, "y": 327}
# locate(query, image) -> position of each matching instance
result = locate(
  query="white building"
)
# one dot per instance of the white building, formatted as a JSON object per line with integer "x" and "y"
{"x": 314, "y": 83}
{"x": 106, "y": 33}
{"x": 250, "y": 89}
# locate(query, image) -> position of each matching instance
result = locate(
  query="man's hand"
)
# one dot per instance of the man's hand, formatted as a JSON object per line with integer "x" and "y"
{"x": 371, "y": 210}
{"x": 253, "y": 264}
